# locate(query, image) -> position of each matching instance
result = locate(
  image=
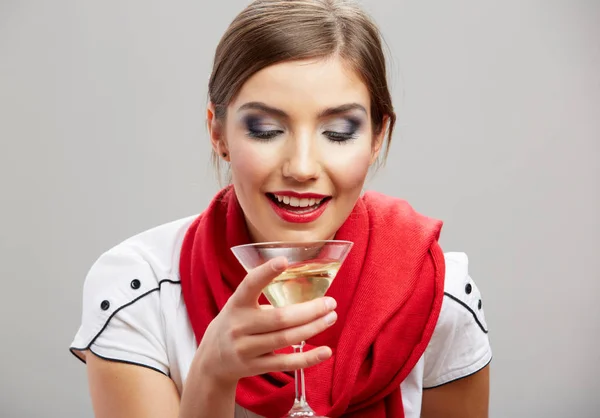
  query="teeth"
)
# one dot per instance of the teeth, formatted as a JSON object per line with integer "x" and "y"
{"x": 298, "y": 203}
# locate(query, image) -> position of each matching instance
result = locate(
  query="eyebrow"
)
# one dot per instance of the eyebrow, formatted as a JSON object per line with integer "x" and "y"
{"x": 332, "y": 111}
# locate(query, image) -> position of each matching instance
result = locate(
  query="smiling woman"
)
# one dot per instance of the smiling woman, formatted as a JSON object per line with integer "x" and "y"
{"x": 300, "y": 111}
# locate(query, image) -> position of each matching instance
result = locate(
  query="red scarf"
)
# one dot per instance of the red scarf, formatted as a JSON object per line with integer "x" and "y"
{"x": 389, "y": 294}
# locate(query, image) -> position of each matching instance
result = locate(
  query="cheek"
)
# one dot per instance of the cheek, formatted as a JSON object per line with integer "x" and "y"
{"x": 251, "y": 161}
{"x": 348, "y": 166}
{"x": 244, "y": 168}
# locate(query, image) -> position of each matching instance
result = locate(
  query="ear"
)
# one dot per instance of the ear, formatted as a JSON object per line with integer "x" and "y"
{"x": 379, "y": 139}
{"x": 216, "y": 132}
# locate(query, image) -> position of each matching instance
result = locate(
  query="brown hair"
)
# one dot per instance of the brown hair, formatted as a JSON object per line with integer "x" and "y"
{"x": 267, "y": 32}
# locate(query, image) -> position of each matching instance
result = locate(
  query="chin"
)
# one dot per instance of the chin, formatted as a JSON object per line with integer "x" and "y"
{"x": 298, "y": 236}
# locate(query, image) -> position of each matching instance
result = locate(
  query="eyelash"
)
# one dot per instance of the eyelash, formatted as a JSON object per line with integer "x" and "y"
{"x": 340, "y": 137}
{"x": 263, "y": 135}
{"x": 336, "y": 137}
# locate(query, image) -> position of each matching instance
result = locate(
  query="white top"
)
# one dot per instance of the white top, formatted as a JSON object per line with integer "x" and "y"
{"x": 134, "y": 312}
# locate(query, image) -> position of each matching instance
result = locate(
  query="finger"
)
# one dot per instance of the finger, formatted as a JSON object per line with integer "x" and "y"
{"x": 290, "y": 362}
{"x": 258, "y": 345}
{"x": 256, "y": 280}
{"x": 270, "y": 320}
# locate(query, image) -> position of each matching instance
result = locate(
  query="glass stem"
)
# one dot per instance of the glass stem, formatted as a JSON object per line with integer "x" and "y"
{"x": 299, "y": 380}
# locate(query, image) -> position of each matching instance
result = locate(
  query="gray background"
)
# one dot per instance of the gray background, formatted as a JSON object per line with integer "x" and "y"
{"x": 102, "y": 135}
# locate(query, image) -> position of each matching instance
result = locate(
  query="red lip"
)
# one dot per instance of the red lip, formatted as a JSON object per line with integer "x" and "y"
{"x": 301, "y": 195}
{"x": 295, "y": 217}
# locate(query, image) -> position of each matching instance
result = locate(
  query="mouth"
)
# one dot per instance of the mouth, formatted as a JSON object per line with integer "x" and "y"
{"x": 298, "y": 204}
{"x": 298, "y": 208}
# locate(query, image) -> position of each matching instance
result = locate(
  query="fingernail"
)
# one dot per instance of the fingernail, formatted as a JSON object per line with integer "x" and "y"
{"x": 330, "y": 303}
{"x": 324, "y": 353}
{"x": 279, "y": 264}
{"x": 330, "y": 318}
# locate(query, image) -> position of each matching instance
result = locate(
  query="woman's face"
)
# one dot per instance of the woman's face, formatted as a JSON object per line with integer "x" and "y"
{"x": 299, "y": 140}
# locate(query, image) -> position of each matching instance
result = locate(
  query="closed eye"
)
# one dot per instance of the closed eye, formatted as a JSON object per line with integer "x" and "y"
{"x": 263, "y": 135}
{"x": 261, "y": 129}
{"x": 339, "y": 136}
{"x": 343, "y": 130}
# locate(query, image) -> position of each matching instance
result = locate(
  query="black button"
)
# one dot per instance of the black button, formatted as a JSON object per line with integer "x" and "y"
{"x": 468, "y": 288}
{"x": 479, "y": 305}
{"x": 105, "y": 305}
{"x": 135, "y": 284}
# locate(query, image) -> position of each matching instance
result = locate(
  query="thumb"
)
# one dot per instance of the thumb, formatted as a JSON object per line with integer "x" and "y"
{"x": 257, "y": 279}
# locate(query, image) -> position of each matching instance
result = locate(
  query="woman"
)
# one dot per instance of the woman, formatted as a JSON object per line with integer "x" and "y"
{"x": 172, "y": 326}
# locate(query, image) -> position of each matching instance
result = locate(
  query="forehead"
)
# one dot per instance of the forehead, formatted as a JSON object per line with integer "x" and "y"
{"x": 305, "y": 86}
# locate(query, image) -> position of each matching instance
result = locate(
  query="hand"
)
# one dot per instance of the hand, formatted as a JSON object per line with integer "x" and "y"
{"x": 241, "y": 339}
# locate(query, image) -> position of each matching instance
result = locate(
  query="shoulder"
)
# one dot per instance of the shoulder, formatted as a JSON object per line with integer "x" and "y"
{"x": 460, "y": 344}
{"x": 460, "y": 290}
{"x": 121, "y": 304}
{"x": 151, "y": 255}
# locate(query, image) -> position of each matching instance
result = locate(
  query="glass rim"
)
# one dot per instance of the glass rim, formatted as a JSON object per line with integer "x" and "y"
{"x": 292, "y": 244}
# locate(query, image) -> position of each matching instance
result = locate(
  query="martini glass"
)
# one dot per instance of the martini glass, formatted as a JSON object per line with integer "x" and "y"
{"x": 312, "y": 266}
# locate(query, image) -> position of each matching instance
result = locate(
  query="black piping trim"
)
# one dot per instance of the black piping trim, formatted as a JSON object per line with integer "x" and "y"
{"x": 467, "y": 307}
{"x": 462, "y": 377}
{"x": 128, "y": 362}
{"x": 73, "y": 349}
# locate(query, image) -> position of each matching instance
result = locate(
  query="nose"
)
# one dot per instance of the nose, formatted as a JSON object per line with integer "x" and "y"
{"x": 302, "y": 159}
